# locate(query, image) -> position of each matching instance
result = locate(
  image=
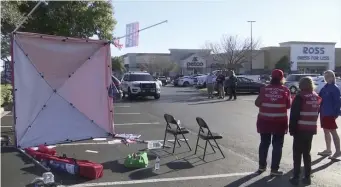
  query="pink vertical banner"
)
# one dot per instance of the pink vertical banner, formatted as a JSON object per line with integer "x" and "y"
{"x": 132, "y": 34}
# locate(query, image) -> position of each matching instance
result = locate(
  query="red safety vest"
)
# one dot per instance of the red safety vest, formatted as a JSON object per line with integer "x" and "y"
{"x": 309, "y": 112}
{"x": 272, "y": 116}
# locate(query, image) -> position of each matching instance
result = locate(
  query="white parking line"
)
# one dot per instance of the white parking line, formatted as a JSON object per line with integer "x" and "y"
{"x": 126, "y": 113}
{"x": 99, "y": 139}
{"x": 153, "y": 123}
{"x": 162, "y": 180}
{"x": 90, "y": 151}
{"x": 247, "y": 99}
{"x": 122, "y": 106}
{"x": 87, "y": 143}
{"x": 111, "y": 142}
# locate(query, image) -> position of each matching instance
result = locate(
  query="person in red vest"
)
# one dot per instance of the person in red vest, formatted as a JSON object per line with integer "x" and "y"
{"x": 302, "y": 126}
{"x": 273, "y": 102}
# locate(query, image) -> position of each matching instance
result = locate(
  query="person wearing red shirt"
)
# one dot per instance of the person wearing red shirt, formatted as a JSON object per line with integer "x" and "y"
{"x": 273, "y": 102}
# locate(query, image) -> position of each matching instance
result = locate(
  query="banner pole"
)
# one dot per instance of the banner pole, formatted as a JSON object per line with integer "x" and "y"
{"x": 165, "y": 21}
{"x": 26, "y": 17}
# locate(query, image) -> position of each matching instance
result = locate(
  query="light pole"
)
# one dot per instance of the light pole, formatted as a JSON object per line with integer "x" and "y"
{"x": 251, "y": 46}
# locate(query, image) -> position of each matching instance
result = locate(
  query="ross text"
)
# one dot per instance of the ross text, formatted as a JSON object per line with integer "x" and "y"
{"x": 313, "y": 50}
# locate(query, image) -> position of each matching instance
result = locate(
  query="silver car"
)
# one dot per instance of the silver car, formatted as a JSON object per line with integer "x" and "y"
{"x": 292, "y": 80}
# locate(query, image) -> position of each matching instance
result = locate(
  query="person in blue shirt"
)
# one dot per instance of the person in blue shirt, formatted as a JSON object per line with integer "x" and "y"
{"x": 329, "y": 112}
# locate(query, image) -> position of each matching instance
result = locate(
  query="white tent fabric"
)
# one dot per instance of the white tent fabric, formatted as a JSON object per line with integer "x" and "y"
{"x": 61, "y": 89}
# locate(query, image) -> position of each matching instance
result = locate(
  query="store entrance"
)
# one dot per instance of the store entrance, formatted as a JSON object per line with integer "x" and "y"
{"x": 316, "y": 68}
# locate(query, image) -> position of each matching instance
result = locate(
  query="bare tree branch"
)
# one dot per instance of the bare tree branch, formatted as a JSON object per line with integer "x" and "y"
{"x": 232, "y": 51}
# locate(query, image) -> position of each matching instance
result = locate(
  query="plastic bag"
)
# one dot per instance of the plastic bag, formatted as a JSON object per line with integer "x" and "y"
{"x": 137, "y": 160}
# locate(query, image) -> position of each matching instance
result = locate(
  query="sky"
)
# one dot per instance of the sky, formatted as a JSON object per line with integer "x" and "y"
{"x": 192, "y": 23}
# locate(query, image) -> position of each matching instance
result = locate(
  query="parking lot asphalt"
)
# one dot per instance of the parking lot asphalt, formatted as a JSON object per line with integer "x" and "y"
{"x": 235, "y": 120}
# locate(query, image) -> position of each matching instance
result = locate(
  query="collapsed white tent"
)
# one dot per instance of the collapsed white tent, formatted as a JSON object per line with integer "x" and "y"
{"x": 60, "y": 89}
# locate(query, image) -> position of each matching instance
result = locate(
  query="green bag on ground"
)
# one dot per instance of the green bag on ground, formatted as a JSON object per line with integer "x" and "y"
{"x": 136, "y": 160}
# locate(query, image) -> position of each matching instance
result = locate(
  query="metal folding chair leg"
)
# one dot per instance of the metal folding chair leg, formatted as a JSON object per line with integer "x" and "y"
{"x": 176, "y": 139}
{"x": 211, "y": 145}
{"x": 164, "y": 140}
{"x": 196, "y": 146}
{"x": 178, "y": 143}
{"x": 205, "y": 150}
{"x": 186, "y": 142}
{"x": 219, "y": 148}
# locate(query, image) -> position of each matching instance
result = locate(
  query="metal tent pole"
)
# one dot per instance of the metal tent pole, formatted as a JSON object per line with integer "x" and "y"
{"x": 13, "y": 88}
{"x": 26, "y": 17}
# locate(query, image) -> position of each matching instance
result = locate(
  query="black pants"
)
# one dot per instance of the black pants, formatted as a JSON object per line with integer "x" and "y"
{"x": 302, "y": 146}
{"x": 277, "y": 145}
{"x": 232, "y": 92}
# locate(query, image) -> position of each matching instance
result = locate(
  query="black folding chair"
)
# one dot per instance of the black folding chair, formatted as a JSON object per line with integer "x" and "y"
{"x": 207, "y": 137}
{"x": 172, "y": 127}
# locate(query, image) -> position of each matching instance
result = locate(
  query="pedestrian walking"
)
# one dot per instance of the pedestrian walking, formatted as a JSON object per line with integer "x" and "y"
{"x": 209, "y": 85}
{"x": 232, "y": 85}
{"x": 330, "y": 110}
{"x": 273, "y": 102}
{"x": 302, "y": 126}
{"x": 220, "y": 83}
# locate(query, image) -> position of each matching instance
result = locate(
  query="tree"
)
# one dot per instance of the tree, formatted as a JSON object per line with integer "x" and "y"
{"x": 160, "y": 65}
{"x": 117, "y": 64}
{"x": 10, "y": 16}
{"x": 81, "y": 19}
{"x": 283, "y": 64}
{"x": 231, "y": 51}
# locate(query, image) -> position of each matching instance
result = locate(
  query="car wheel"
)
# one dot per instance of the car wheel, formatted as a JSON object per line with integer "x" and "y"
{"x": 204, "y": 86}
{"x": 123, "y": 95}
{"x": 186, "y": 84}
{"x": 157, "y": 96}
{"x": 293, "y": 89}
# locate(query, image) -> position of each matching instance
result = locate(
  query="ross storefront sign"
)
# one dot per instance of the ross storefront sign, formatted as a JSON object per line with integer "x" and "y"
{"x": 313, "y": 53}
{"x": 323, "y": 53}
{"x": 196, "y": 62}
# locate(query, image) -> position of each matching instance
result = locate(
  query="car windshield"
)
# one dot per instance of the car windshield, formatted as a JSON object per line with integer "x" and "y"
{"x": 298, "y": 77}
{"x": 140, "y": 77}
{"x": 292, "y": 78}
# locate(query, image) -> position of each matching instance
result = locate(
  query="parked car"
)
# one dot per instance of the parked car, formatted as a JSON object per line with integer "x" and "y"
{"x": 320, "y": 82}
{"x": 244, "y": 85}
{"x": 136, "y": 84}
{"x": 176, "y": 80}
{"x": 186, "y": 81}
{"x": 292, "y": 81}
{"x": 163, "y": 79}
{"x": 202, "y": 79}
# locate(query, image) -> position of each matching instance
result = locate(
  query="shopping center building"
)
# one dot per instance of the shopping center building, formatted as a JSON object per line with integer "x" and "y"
{"x": 305, "y": 57}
